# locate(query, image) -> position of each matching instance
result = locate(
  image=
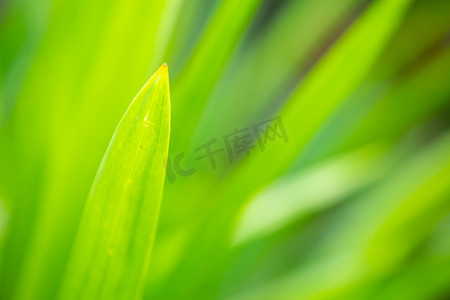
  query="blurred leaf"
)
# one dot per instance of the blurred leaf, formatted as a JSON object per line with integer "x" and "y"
{"x": 22, "y": 24}
{"x": 376, "y": 110}
{"x": 198, "y": 78}
{"x": 319, "y": 94}
{"x": 433, "y": 260}
{"x": 348, "y": 247}
{"x": 310, "y": 190}
{"x": 329, "y": 83}
{"x": 334, "y": 78}
{"x": 302, "y": 28}
{"x": 111, "y": 253}
{"x": 187, "y": 30}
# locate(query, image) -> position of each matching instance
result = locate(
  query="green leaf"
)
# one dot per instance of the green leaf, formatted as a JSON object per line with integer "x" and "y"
{"x": 376, "y": 237}
{"x": 111, "y": 253}
{"x": 50, "y": 157}
{"x": 297, "y": 195}
{"x": 335, "y": 77}
{"x": 238, "y": 102}
{"x": 212, "y": 53}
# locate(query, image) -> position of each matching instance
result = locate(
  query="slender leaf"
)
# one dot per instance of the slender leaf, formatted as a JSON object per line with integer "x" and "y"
{"x": 110, "y": 255}
{"x": 212, "y": 53}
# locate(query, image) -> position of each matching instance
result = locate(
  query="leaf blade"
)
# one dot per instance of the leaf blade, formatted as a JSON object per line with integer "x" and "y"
{"x": 110, "y": 255}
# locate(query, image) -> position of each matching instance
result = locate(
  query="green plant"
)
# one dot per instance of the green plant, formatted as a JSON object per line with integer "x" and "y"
{"x": 308, "y": 152}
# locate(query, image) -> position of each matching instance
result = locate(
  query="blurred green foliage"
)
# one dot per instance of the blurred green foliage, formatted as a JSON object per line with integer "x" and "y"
{"x": 356, "y": 205}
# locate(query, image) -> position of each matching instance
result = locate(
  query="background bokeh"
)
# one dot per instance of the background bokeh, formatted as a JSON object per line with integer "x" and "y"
{"x": 355, "y": 205}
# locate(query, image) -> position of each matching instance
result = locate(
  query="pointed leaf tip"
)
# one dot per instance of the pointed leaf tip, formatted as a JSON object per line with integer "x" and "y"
{"x": 163, "y": 69}
{"x": 109, "y": 258}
